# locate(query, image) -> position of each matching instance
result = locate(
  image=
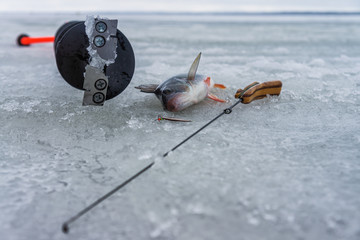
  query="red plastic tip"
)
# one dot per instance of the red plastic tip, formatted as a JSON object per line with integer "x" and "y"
{"x": 25, "y": 40}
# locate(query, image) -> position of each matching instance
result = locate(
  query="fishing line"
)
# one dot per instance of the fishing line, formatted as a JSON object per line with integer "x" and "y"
{"x": 226, "y": 111}
{"x": 251, "y": 92}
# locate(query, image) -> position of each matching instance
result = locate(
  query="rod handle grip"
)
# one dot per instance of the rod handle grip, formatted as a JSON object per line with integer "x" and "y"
{"x": 257, "y": 90}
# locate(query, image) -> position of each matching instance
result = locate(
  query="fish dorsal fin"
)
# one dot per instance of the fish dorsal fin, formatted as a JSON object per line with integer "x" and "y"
{"x": 194, "y": 67}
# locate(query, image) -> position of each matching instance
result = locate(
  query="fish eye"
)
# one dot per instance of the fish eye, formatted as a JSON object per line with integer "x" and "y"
{"x": 167, "y": 91}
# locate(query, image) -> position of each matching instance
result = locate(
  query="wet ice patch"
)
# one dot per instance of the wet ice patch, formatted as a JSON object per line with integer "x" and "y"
{"x": 26, "y": 106}
{"x": 160, "y": 226}
{"x": 134, "y": 123}
{"x": 317, "y": 62}
{"x": 68, "y": 116}
{"x": 9, "y": 106}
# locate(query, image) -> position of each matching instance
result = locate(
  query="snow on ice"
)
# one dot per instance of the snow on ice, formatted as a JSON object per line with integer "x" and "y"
{"x": 279, "y": 168}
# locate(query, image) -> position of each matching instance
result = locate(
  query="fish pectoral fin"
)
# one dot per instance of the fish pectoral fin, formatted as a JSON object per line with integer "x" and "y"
{"x": 194, "y": 67}
{"x": 147, "y": 88}
{"x": 215, "y": 98}
{"x": 219, "y": 86}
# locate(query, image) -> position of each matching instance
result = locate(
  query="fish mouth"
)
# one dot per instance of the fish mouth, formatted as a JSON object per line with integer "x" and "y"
{"x": 170, "y": 104}
{"x": 173, "y": 104}
{"x": 173, "y": 94}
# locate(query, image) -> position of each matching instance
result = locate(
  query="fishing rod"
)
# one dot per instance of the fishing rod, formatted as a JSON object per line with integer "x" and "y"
{"x": 250, "y": 93}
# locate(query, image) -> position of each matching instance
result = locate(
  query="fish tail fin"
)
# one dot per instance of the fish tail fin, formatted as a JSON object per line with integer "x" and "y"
{"x": 219, "y": 86}
{"x": 215, "y": 98}
{"x": 147, "y": 88}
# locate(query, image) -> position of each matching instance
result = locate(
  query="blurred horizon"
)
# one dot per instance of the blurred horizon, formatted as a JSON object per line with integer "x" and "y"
{"x": 357, "y": 12}
{"x": 185, "y": 6}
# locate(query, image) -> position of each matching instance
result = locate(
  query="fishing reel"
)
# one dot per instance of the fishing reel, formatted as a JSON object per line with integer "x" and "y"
{"x": 93, "y": 56}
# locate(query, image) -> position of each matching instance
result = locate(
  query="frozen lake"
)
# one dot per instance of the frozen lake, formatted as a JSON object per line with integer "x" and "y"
{"x": 287, "y": 167}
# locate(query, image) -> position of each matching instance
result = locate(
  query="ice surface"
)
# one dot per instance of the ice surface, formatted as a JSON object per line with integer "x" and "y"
{"x": 280, "y": 168}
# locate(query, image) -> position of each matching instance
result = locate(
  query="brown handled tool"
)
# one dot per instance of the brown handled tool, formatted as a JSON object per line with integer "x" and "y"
{"x": 257, "y": 90}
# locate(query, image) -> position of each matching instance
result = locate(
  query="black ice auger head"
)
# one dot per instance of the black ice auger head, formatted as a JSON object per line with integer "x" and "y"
{"x": 94, "y": 56}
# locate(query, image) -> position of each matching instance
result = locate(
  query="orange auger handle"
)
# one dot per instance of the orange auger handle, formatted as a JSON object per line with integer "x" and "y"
{"x": 25, "y": 40}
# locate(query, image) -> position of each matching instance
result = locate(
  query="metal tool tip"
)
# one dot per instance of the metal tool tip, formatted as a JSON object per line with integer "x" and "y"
{"x": 65, "y": 228}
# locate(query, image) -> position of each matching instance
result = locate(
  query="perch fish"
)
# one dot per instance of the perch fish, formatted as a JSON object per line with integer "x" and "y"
{"x": 184, "y": 90}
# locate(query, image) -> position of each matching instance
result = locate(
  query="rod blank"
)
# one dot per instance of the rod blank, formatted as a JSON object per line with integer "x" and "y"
{"x": 65, "y": 226}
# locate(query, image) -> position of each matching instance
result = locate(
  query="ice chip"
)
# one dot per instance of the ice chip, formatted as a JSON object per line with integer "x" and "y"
{"x": 95, "y": 59}
{"x": 89, "y": 25}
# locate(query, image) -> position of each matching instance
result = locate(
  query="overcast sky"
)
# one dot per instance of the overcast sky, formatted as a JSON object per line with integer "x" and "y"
{"x": 180, "y": 5}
